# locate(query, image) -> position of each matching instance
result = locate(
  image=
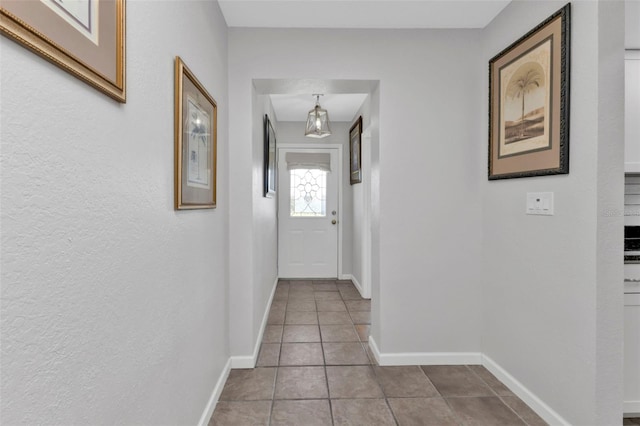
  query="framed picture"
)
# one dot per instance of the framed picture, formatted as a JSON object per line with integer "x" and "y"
{"x": 529, "y": 103}
{"x": 269, "y": 159}
{"x": 355, "y": 151}
{"x": 84, "y": 37}
{"x": 195, "y": 142}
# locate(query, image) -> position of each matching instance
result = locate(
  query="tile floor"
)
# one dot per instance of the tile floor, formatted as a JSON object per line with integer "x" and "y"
{"x": 315, "y": 368}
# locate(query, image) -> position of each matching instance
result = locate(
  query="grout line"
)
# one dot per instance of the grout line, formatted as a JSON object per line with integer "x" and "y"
{"x": 482, "y": 380}
{"x": 275, "y": 381}
{"x": 326, "y": 374}
{"x": 497, "y": 395}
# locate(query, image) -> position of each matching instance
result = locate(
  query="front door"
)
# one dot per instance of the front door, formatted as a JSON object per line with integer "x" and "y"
{"x": 307, "y": 213}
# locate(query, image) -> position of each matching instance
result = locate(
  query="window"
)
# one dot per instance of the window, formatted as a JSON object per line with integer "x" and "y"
{"x": 308, "y": 193}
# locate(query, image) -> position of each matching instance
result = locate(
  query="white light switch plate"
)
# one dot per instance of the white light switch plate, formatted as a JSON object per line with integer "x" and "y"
{"x": 540, "y": 203}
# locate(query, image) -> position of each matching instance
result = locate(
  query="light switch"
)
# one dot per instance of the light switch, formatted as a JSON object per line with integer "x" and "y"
{"x": 540, "y": 203}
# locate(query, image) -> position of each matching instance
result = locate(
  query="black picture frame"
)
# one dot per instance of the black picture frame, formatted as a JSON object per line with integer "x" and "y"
{"x": 355, "y": 152}
{"x": 270, "y": 171}
{"x": 527, "y": 140}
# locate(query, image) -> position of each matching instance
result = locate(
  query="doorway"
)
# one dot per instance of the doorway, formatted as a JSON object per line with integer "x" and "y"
{"x": 309, "y": 197}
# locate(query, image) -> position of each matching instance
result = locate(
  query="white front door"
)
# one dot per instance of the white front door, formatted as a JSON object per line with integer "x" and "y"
{"x": 308, "y": 213}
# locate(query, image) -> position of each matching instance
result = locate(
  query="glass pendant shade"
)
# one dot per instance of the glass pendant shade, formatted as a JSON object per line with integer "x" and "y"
{"x": 317, "y": 122}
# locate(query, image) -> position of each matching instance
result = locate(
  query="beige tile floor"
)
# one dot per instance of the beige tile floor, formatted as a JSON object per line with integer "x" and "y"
{"x": 315, "y": 368}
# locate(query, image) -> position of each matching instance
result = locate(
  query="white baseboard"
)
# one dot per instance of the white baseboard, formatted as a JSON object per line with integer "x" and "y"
{"x": 249, "y": 361}
{"x": 536, "y": 404}
{"x": 374, "y": 349}
{"x": 470, "y": 358}
{"x": 215, "y": 395}
{"x": 355, "y": 282}
{"x": 631, "y": 409}
{"x": 424, "y": 358}
{"x": 245, "y": 361}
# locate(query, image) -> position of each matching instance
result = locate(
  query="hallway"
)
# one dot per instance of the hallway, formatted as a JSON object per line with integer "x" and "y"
{"x": 315, "y": 368}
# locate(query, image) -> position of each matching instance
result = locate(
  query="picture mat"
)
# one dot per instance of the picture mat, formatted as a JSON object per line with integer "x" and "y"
{"x": 99, "y": 59}
{"x": 536, "y": 60}
{"x": 191, "y": 195}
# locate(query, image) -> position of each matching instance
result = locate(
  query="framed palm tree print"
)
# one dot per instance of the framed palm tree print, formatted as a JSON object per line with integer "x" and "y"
{"x": 195, "y": 142}
{"x": 529, "y": 103}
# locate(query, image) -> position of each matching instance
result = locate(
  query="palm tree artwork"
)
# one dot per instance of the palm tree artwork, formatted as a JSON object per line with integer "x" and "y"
{"x": 528, "y": 78}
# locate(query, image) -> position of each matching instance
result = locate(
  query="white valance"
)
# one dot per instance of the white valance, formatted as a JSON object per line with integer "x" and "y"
{"x": 308, "y": 160}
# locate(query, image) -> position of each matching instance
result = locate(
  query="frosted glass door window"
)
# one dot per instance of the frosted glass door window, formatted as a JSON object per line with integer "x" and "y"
{"x": 308, "y": 193}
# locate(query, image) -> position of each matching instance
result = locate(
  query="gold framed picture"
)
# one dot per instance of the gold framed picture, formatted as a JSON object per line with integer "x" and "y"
{"x": 83, "y": 37}
{"x": 195, "y": 142}
{"x": 529, "y": 103}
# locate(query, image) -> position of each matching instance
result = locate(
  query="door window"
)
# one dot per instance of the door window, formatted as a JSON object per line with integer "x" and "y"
{"x": 308, "y": 193}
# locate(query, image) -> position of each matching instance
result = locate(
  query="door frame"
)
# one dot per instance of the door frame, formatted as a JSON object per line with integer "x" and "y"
{"x": 311, "y": 146}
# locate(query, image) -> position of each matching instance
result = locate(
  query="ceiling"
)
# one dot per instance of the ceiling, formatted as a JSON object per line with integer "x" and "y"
{"x": 292, "y": 98}
{"x": 380, "y": 14}
{"x": 341, "y": 107}
{"x": 293, "y": 103}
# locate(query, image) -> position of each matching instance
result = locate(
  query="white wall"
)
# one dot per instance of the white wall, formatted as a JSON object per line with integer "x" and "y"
{"x": 265, "y": 222}
{"x": 361, "y": 201}
{"x": 113, "y": 304}
{"x": 254, "y": 231}
{"x": 553, "y": 285}
{"x": 427, "y": 171}
{"x": 632, "y": 24}
{"x": 429, "y": 219}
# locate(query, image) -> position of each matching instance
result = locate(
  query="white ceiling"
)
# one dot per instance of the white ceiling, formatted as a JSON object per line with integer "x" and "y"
{"x": 394, "y": 14}
{"x": 292, "y": 103}
{"x": 340, "y": 107}
{"x": 292, "y": 98}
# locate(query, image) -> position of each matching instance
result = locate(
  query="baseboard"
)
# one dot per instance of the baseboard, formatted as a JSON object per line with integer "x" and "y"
{"x": 215, "y": 395}
{"x": 249, "y": 361}
{"x": 424, "y": 358}
{"x": 355, "y": 282}
{"x": 631, "y": 409}
{"x": 374, "y": 349}
{"x": 536, "y": 404}
{"x": 245, "y": 361}
{"x": 470, "y": 358}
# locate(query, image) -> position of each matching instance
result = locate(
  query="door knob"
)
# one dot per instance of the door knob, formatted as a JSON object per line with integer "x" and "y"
{"x": 333, "y": 222}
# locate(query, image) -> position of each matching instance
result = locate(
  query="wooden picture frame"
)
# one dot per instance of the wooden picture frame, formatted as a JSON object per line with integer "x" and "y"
{"x": 85, "y": 38}
{"x": 196, "y": 127}
{"x": 529, "y": 102}
{"x": 355, "y": 152}
{"x": 270, "y": 171}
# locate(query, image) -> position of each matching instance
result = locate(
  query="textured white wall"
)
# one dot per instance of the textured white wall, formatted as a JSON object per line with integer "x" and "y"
{"x": 429, "y": 193}
{"x": 632, "y": 24}
{"x": 553, "y": 285}
{"x": 254, "y": 230}
{"x": 113, "y": 304}
{"x": 427, "y": 130}
{"x": 361, "y": 213}
{"x": 265, "y": 222}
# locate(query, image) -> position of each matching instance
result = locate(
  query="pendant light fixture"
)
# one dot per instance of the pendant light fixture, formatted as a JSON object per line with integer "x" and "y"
{"x": 317, "y": 121}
